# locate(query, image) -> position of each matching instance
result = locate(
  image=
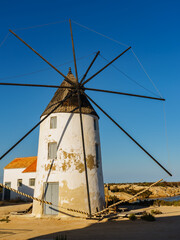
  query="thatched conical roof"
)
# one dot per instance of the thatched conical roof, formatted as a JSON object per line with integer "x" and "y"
{"x": 71, "y": 104}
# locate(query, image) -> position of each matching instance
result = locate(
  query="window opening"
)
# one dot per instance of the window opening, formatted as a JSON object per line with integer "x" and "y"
{"x": 52, "y": 150}
{"x": 19, "y": 182}
{"x": 97, "y": 154}
{"x": 32, "y": 182}
{"x": 53, "y": 122}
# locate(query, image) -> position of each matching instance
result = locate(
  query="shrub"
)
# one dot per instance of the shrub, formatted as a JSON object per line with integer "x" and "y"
{"x": 132, "y": 217}
{"x": 61, "y": 237}
{"x": 155, "y": 212}
{"x": 115, "y": 189}
{"x": 166, "y": 203}
{"x": 146, "y": 194}
{"x": 148, "y": 217}
{"x": 112, "y": 199}
{"x": 132, "y": 191}
{"x": 5, "y": 219}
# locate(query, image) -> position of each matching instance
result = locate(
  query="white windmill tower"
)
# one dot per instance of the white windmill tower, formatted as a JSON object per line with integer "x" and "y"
{"x": 61, "y": 173}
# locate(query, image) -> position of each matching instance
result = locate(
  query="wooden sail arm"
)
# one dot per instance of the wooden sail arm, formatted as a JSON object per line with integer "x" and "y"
{"x": 89, "y": 67}
{"x": 128, "y": 135}
{"x": 106, "y": 66}
{"x": 35, "y": 85}
{"x": 84, "y": 153}
{"x": 65, "y": 78}
{"x": 83, "y": 88}
{"x": 74, "y": 56}
{"x": 32, "y": 129}
{"x": 122, "y": 93}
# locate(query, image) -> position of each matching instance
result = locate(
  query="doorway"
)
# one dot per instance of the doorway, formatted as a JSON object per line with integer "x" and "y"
{"x": 51, "y": 194}
{"x": 7, "y": 192}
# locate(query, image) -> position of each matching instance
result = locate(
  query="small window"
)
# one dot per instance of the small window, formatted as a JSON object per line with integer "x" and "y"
{"x": 32, "y": 182}
{"x": 19, "y": 182}
{"x": 97, "y": 154}
{"x": 95, "y": 124}
{"x": 8, "y": 184}
{"x": 53, "y": 122}
{"x": 52, "y": 150}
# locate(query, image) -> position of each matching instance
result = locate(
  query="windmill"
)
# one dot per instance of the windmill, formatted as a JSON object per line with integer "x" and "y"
{"x": 74, "y": 91}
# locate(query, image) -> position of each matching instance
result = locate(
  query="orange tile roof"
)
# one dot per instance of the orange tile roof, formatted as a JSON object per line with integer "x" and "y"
{"x": 31, "y": 168}
{"x": 21, "y": 162}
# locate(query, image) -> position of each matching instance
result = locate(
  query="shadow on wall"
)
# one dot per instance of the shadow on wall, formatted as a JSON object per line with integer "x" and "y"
{"x": 11, "y": 195}
{"x": 45, "y": 190}
{"x": 64, "y": 130}
{"x": 27, "y": 190}
{"x": 65, "y": 213}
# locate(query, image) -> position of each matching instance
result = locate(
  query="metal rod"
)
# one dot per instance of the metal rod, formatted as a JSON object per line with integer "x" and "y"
{"x": 20, "y": 140}
{"x": 128, "y": 135}
{"x": 74, "y": 56}
{"x": 121, "y": 93}
{"x": 84, "y": 154}
{"x": 66, "y": 78}
{"x": 106, "y": 66}
{"x": 35, "y": 85}
{"x": 90, "y": 66}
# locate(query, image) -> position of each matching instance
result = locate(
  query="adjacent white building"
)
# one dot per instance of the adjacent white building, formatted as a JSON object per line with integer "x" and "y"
{"x": 20, "y": 174}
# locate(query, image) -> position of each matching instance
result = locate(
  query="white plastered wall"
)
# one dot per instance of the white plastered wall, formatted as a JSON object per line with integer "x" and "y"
{"x": 68, "y": 168}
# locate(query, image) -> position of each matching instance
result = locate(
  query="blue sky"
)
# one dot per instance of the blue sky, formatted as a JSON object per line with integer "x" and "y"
{"x": 150, "y": 27}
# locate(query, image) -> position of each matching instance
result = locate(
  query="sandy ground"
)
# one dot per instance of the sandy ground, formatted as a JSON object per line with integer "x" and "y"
{"x": 4, "y": 210}
{"x": 166, "y": 226}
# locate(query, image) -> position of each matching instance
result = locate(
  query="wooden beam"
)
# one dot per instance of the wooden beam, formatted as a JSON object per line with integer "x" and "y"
{"x": 74, "y": 56}
{"x": 128, "y": 135}
{"x": 106, "y": 66}
{"x": 65, "y": 78}
{"x": 122, "y": 93}
{"x": 90, "y": 66}
{"x": 32, "y": 129}
{"x": 34, "y": 85}
{"x": 84, "y": 154}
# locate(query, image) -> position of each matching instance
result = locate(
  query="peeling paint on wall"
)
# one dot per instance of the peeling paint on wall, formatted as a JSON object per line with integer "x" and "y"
{"x": 90, "y": 161}
{"x": 74, "y": 159}
{"x": 71, "y": 197}
{"x": 47, "y": 167}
